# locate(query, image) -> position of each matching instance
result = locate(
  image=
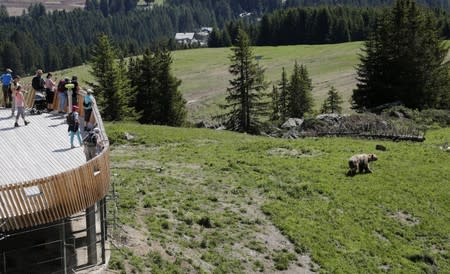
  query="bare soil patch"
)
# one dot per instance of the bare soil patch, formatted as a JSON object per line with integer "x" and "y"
{"x": 405, "y": 218}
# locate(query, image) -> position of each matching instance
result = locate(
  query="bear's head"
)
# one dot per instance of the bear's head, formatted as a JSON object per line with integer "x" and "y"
{"x": 372, "y": 157}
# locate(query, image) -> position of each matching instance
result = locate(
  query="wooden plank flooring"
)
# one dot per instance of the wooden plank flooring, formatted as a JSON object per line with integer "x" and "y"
{"x": 40, "y": 149}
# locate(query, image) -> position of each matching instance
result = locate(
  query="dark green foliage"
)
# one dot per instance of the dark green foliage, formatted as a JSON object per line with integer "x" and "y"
{"x": 71, "y": 34}
{"x": 293, "y": 98}
{"x": 215, "y": 39}
{"x": 158, "y": 99}
{"x": 3, "y": 12}
{"x": 275, "y": 105}
{"x": 280, "y": 97}
{"x": 284, "y": 96}
{"x": 404, "y": 60}
{"x": 111, "y": 82}
{"x": 333, "y": 102}
{"x": 318, "y": 25}
{"x": 11, "y": 56}
{"x": 299, "y": 90}
{"x": 245, "y": 97}
{"x": 431, "y": 3}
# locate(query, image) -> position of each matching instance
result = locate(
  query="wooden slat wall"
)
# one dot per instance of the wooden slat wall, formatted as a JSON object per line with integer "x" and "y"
{"x": 29, "y": 96}
{"x": 60, "y": 195}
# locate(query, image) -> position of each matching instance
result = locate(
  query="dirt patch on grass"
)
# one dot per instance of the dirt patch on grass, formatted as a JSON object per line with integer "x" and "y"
{"x": 201, "y": 222}
{"x": 405, "y": 218}
{"x": 275, "y": 241}
{"x": 136, "y": 240}
{"x": 291, "y": 152}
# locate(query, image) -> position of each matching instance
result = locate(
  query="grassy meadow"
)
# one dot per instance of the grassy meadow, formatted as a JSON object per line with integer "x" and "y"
{"x": 204, "y": 72}
{"x": 204, "y": 201}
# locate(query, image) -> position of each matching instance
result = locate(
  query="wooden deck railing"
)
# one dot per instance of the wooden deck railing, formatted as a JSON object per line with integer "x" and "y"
{"x": 49, "y": 199}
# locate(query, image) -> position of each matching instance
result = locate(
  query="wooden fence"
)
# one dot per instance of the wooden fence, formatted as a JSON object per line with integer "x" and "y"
{"x": 49, "y": 199}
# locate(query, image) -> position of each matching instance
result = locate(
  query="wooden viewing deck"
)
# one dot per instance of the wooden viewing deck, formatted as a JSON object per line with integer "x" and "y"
{"x": 41, "y": 178}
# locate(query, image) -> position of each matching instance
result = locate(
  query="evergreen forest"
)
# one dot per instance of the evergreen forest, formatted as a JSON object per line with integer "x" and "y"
{"x": 61, "y": 39}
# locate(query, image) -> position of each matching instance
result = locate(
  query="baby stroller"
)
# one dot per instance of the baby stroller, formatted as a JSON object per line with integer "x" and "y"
{"x": 39, "y": 105}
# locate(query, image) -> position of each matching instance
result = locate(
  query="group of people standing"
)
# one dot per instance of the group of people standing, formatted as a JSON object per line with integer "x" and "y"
{"x": 68, "y": 91}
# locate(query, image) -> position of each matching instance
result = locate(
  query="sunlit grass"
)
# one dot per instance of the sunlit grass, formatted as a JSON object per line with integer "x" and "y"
{"x": 396, "y": 218}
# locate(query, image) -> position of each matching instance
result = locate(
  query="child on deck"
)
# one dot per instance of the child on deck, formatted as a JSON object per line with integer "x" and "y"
{"x": 20, "y": 106}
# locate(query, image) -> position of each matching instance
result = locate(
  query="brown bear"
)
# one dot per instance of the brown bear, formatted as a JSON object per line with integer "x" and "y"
{"x": 360, "y": 162}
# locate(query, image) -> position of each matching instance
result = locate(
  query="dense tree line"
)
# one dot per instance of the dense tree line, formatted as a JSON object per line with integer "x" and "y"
{"x": 444, "y": 4}
{"x": 404, "y": 61}
{"x": 313, "y": 25}
{"x": 316, "y": 25}
{"x": 142, "y": 89}
{"x": 108, "y": 7}
{"x": 263, "y": 6}
{"x": 60, "y": 39}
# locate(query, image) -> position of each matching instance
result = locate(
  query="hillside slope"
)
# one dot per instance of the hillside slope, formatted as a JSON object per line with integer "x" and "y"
{"x": 205, "y": 75}
{"x": 204, "y": 72}
{"x": 203, "y": 201}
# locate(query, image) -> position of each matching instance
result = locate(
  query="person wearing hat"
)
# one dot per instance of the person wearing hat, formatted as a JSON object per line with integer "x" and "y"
{"x": 74, "y": 126}
{"x": 70, "y": 90}
{"x": 92, "y": 144}
{"x": 88, "y": 100}
{"x": 6, "y": 79}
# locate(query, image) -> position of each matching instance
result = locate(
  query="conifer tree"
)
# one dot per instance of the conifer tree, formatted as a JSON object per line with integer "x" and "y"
{"x": 104, "y": 7}
{"x": 299, "y": 92}
{"x": 144, "y": 78}
{"x": 215, "y": 39}
{"x": 245, "y": 102}
{"x": 10, "y": 57}
{"x": 284, "y": 96}
{"x": 226, "y": 39}
{"x": 332, "y": 104}
{"x": 158, "y": 99}
{"x": 404, "y": 60}
{"x": 275, "y": 103}
{"x": 173, "y": 105}
{"x": 111, "y": 81}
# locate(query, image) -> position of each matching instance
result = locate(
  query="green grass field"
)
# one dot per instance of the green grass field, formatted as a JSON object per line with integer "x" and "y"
{"x": 204, "y": 72}
{"x": 196, "y": 200}
{"x": 205, "y": 76}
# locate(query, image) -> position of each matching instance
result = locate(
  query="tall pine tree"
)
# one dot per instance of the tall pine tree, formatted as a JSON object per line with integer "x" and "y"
{"x": 173, "y": 105}
{"x": 284, "y": 96}
{"x": 111, "y": 82}
{"x": 332, "y": 103}
{"x": 275, "y": 104}
{"x": 245, "y": 102}
{"x": 158, "y": 99}
{"x": 300, "y": 99}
